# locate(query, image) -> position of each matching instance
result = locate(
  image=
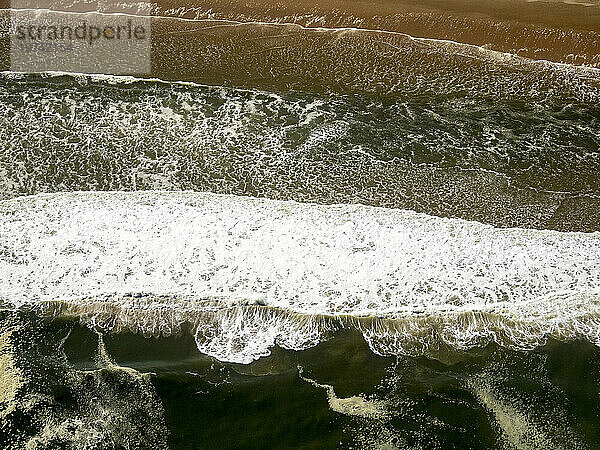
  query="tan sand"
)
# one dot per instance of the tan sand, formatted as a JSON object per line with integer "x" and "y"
{"x": 557, "y": 30}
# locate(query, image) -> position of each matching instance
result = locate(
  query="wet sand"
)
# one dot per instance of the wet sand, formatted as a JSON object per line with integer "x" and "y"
{"x": 553, "y": 30}
{"x": 283, "y": 57}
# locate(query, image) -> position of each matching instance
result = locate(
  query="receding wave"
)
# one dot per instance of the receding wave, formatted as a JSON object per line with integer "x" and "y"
{"x": 280, "y": 57}
{"x": 245, "y": 274}
{"x": 287, "y": 56}
{"x": 506, "y": 163}
{"x": 566, "y": 31}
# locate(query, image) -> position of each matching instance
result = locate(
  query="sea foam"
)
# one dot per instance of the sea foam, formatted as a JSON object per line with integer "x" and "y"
{"x": 249, "y": 273}
{"x": 502, "y": 163}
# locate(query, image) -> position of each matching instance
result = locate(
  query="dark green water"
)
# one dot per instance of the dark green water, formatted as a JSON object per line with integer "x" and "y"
{"x": 485, "y": 398}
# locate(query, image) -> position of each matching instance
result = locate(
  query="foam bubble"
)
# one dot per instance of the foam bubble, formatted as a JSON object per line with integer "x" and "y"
{"x": 11, "y": 378}
{"x": 353, "y": 406}
{"x": 520, "y": 425}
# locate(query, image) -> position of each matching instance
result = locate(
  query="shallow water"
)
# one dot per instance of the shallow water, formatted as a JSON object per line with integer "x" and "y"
{"x": 507, "y": 163}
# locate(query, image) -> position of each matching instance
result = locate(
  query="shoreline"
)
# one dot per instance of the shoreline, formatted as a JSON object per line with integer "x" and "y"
{"x": 556, "y": 31}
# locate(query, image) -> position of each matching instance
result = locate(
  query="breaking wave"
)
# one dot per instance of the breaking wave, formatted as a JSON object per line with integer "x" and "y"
{"x": 245, "y": 274}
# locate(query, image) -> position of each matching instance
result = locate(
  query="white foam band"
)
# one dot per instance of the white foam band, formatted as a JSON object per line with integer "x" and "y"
{"x": 347, "y": 260}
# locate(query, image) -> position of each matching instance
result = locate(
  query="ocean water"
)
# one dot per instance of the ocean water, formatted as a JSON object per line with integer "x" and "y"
{"x": 397, "y": 248}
